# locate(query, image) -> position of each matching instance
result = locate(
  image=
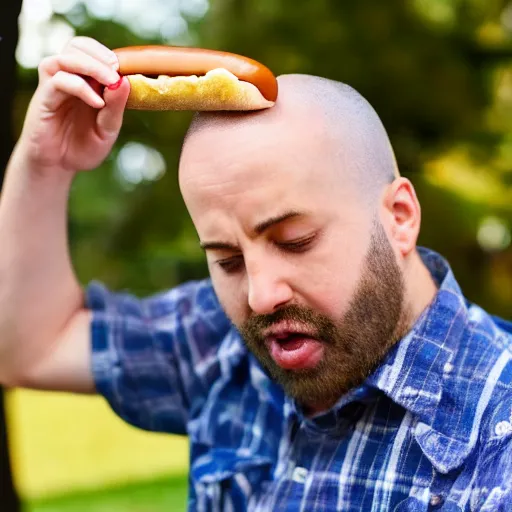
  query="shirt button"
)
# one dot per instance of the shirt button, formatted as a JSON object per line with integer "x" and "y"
{"x": 436, "y": 500}
{"x": 299, "y": 475}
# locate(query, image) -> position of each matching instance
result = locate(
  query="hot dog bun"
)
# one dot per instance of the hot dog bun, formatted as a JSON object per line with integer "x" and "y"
{"x": 179, "y": 78}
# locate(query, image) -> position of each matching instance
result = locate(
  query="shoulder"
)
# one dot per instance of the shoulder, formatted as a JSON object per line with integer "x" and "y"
{"x": 485, "y": 354}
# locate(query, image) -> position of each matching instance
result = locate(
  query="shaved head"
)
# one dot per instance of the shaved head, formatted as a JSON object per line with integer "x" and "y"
{"x": 353, "y": 132}
{"x": 307, "y": 228}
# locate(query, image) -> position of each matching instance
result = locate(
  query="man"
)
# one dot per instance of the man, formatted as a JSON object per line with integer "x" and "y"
{"x": 329, "y": 364}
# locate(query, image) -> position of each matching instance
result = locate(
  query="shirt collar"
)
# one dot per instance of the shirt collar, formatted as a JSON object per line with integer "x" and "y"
{"x": 413, "y": 374}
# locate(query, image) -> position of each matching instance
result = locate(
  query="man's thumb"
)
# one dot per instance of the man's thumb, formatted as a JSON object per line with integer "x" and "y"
{"x": 110, "y": 117}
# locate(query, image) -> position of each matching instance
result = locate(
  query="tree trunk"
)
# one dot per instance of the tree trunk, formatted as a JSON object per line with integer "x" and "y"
{"x": 9, "y": 13}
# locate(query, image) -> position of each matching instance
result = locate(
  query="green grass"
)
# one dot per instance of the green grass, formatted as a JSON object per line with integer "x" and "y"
{"x": 164, "y": 495}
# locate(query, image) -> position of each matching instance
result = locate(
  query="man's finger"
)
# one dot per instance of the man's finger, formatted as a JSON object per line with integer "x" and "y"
{"x": 63, "y": 85}
{"x": 94, "y": 49}
{"x": 78, "y": 63}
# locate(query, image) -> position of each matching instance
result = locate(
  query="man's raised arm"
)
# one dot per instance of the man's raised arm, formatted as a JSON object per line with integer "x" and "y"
{"x": 70, "y": 127}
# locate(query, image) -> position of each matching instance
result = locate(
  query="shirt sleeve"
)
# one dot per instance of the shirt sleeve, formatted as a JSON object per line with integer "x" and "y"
{"x": 155, "y": 359}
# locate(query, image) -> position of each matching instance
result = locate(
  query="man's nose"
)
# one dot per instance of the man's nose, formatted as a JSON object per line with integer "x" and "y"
{"x": 267, "y": 290}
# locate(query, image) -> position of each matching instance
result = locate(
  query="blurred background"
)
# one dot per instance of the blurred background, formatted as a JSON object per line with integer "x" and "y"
{"x": 439, "y": 73}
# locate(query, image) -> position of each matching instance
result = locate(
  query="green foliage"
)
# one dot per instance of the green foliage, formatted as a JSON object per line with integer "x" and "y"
{"x": 437, "y": 72}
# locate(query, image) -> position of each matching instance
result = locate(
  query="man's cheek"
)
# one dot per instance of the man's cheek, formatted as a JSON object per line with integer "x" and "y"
{"x": 232, "y": 306}
{"x": 334, "y": 305}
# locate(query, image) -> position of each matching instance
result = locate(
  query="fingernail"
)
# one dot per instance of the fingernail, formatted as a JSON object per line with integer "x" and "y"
{"x": 113, "y": 87}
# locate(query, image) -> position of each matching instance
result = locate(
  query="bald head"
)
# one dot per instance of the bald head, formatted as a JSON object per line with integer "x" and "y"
{"x": 354, "y": 139}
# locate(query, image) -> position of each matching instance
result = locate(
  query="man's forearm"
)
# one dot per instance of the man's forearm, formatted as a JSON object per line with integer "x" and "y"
{"x": 39, "y": 292}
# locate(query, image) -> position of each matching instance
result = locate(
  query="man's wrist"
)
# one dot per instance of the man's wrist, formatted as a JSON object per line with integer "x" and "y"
{"x": 22, "y": 167}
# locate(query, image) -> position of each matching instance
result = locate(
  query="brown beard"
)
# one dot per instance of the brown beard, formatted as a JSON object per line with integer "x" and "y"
{"x": 375, "y": 320}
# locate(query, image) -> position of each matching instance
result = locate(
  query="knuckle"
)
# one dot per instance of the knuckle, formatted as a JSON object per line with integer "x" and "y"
{"x": 75, "y": 41}
{"x": 80, "y": 42}
{"x": 59, "y": 78}
{"x": 60, "y": 64}
{"x": 62, "y": 61}
{"x": 46, "y": 68}
{"x": 46, "y": 64}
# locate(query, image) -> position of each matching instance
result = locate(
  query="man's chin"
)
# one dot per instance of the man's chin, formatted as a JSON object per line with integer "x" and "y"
{"x": 307, "y": 385}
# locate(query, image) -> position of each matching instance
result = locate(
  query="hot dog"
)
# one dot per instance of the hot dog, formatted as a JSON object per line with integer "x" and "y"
{"x": 180, "y": 78}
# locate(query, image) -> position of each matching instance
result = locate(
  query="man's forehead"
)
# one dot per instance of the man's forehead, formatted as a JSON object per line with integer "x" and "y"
{"x": 255, "y": 140}
{"x": 260, "y": 169}
{"x": 270, "y": 164}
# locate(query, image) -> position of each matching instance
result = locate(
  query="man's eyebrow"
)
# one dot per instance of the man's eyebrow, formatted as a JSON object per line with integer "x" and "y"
{"x": 258, "y": 229}
{"x": 218, "y": 246}
{"x": 263, "y": 226}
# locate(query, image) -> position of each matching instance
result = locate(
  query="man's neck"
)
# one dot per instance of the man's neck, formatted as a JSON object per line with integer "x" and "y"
{"x": 420, "y": 287}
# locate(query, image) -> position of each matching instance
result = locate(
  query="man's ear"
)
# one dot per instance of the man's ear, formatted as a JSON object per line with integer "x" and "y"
{"x": 402, "y": 215}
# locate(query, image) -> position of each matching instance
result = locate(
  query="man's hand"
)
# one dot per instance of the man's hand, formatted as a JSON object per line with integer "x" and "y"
{"x": 70, "y": 125}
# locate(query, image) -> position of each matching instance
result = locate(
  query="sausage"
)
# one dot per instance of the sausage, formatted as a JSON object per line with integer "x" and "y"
{"x": 185, "y": 61}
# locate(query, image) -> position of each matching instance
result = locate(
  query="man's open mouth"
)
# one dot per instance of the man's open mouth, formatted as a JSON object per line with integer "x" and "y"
{"x": 293, "y": 348}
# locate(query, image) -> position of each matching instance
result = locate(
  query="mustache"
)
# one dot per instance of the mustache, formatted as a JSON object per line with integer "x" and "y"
{"x": 255, "y": 325}
{"x": 291, "y": 312}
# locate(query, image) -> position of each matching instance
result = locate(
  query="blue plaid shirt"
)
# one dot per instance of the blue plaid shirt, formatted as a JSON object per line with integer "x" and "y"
{"x": 431, "y": 429}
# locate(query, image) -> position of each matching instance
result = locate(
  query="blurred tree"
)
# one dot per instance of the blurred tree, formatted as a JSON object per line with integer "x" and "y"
{"x": 9, "y": 37}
